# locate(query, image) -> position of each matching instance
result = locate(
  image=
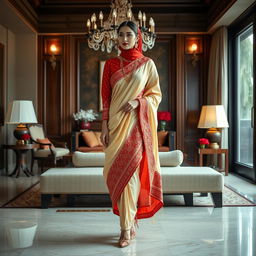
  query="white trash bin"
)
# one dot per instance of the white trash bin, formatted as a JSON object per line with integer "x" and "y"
{"x": 20, "y": 234}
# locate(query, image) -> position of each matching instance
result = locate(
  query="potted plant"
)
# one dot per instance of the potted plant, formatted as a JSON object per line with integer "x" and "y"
{"x": 203, "y": 142}
{"x": 25, "y": 137}
{"x": 163, "y": 117}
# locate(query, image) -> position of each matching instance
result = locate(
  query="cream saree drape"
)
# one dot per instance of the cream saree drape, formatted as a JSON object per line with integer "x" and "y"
{"x": 133, "y": 136}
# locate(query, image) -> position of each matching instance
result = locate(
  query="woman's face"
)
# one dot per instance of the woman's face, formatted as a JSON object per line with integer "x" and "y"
{"x": 126, "y": 38}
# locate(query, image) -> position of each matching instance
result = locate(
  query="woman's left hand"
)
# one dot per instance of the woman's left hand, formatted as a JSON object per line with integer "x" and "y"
{"x": 130, "y": 105}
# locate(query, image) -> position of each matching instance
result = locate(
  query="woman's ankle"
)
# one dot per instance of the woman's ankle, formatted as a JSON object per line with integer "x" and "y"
{"x": 125, "y": 234}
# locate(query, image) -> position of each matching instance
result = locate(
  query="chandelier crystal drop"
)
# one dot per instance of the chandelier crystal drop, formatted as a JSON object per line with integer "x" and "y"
{"x": 102, "y": 35}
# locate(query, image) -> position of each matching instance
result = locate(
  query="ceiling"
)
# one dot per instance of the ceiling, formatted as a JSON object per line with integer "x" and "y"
{"x": 76, "y": 6}
{"x": 171, "y": 16}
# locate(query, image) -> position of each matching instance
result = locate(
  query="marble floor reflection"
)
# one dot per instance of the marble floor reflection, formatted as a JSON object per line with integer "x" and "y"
{"x": 173, "y": 231}
{"x": 195, "y": 231}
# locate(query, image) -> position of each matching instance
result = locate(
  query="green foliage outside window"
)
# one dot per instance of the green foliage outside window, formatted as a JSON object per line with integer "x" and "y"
{"x": 246, "y": 77}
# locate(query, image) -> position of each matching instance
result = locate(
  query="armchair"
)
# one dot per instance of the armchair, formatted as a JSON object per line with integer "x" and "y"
{"x": 47, "y": 150}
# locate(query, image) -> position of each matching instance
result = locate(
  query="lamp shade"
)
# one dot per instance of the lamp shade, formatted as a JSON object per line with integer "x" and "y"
{"x": 20, "y": 111}
{"x": 213, "y": 116}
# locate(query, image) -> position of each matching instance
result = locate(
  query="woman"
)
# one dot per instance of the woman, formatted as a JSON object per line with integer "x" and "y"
{"x": 131, "y": 95}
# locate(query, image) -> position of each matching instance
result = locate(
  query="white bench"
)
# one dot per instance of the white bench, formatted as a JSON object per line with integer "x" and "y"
{"x": 89, "y": 180}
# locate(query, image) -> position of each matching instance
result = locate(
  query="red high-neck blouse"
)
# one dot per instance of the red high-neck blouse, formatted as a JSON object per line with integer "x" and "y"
{"x": 113, "y": 65}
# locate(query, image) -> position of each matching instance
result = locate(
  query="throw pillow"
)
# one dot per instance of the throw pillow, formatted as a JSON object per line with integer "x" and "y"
{"x": 81, "y": 159}
{"x": 90, "y": 139}
{"x": 45, "y": 140}
{"x": 161, "y": 137}
{"x": 171, "y": 158}
{"x": 97, "y": 134}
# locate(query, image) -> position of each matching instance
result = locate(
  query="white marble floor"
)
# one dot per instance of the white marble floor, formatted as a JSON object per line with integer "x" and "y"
{"x": 197, "y": 231}
{"x": 173, "y": 231}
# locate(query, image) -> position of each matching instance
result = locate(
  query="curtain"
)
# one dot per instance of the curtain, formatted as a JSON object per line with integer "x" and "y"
{"x": 218, "y": 76}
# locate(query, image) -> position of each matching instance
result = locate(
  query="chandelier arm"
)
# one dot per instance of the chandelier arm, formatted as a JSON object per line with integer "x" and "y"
{"x": 105, "y": 37}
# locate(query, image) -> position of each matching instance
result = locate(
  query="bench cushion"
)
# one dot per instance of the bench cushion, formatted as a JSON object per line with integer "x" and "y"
{"x": 90, "y": 180}
{"x": 187, "y": 179}
{"x": 171, "y": 158}
{"x": 81, "y": 159}
{"x": 73, "y": 180}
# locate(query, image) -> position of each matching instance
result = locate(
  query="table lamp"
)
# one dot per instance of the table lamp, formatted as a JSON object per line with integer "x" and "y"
{"x": 20, "y": 112}
{"x": 213, "y": 117}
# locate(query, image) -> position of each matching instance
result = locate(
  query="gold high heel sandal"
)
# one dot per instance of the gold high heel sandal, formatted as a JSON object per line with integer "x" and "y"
{"x": 124, "y": 240}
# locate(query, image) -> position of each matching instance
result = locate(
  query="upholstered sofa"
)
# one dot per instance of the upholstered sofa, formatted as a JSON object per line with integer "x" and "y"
{"x": 88, "y": 141}
{"x": 86, "y": 178}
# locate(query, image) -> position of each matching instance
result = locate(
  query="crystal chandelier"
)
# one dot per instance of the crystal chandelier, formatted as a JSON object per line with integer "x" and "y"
{"x": 104, "y": 34}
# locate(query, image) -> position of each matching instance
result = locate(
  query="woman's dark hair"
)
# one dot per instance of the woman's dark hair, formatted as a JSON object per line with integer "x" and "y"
{"x": 129, "y": 24}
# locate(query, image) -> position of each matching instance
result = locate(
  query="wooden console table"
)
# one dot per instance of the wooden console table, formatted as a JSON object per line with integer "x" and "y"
{"x": 211, "y": 151}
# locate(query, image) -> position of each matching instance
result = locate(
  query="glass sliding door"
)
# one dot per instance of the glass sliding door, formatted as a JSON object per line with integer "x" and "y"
{"x": 243, "y": 135}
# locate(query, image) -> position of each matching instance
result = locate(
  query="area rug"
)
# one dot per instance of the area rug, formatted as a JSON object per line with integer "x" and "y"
{"x": 31, "y": 198}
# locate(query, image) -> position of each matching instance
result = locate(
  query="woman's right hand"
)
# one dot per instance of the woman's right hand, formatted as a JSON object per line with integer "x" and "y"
{"x": 104, "y": 133}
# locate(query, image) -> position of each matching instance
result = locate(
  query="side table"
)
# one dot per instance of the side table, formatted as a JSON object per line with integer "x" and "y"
{"x": 21, "y": 151}
{"x": 211, "y": 151}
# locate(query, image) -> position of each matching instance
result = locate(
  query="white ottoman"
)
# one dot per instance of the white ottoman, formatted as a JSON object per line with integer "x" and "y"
{"x": 89, "y": 180}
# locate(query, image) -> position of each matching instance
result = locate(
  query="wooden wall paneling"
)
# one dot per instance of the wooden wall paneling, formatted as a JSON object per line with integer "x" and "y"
{"x": 78, "y": 70}
{"x": 180, "y": 92}
{"x": 41, "y": 78}
{"x": 53, "y": 99}
{"x": 50, "y": 87}
{"x": 205, "y": 63}
{"x": 192, "y": 105}
{"x": 173, "y": 84}
{"x": 69, "y": 87}
{"x": 57, "y": 88}
{"x": 191, "y": 91}
{"x": 193, "y": 88}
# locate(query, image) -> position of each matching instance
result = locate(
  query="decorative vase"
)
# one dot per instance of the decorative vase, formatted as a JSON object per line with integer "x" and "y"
{"x": 202, "y": 145}
{"x": 85, "y": 125}
{"x": 163, "y": 124}
{"x": 26, "y": 142}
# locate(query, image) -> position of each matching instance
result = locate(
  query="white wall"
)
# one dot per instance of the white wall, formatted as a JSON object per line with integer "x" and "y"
{"x": 20, "y": 78}
{"x": 7, "y": 38}
{"x": 26, "y": 67}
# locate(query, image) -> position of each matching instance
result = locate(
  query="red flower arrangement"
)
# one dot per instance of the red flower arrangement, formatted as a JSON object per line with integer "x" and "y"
{"x": 164, "y": 116}
{"x": 25, "y": 136}
{"x": 203, "y": 142}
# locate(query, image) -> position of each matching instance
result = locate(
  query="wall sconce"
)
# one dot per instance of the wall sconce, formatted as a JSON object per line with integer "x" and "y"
{"x": 52, "y": 59}
{"x": 194, "y": 57}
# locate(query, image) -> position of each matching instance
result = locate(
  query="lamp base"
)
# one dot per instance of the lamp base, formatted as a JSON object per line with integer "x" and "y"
{"x": 214, "y": 145}
{"x": 214, "y": 137}
{"x": 19, "y": 131}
